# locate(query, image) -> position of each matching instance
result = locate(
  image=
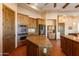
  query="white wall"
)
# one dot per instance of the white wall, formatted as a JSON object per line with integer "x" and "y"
{"x": 13, "y": 6}
{"x": 1, "y": 29}
{"x": 78, "y": 27}
{"x": 29, "y": 12}
{"x": 50, "y": 21}
{"x": 51, "y": 15}
{"x": 71, "y": 22}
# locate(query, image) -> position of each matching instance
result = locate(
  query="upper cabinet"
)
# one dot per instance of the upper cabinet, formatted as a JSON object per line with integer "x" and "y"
{"x": 32, "y": 22}
{"x": 22, "y": 19}
{"x": 26, "y": 20}
{"x": 29, "y": 21}
{"x": 41, "y": 21}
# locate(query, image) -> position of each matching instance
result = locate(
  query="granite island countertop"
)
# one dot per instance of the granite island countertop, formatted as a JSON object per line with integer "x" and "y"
{"x": 40, "y": 40}
{"x": 72, "y": 37}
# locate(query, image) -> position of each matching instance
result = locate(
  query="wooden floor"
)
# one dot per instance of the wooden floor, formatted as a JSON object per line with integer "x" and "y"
{"x": 55, "y": 50}
{"x": 20, "y": 51}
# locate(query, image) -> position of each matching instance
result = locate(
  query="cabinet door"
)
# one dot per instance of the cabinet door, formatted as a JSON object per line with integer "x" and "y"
{"x": 22, "y": 19}
{"x": 30, "y": 22}
{"x": 66, "y": 45}
{"x": 34, "y": 23}
{"x": 63, "y": 43}
{"x": 75, "y": 50}
{"x": 41, "y": 21}
{"x": 69, "y": 47}
{"x": 26, "y": 20}
{"x": 8, "y": 30}
{"x": 18, "y": 18}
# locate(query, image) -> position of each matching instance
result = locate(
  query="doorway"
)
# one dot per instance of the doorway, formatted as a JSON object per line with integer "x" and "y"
{"x": 61, "y": 28}
{"x": 51, "y": 28}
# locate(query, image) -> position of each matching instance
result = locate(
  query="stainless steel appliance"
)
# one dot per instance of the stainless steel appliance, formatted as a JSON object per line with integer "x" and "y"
{"x": 22, "y": 32}
{"x": 42, "y": 29}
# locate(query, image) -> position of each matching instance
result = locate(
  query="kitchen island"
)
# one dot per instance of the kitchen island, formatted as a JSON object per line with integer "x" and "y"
{"x": 38, "y": 45}
{"x": 75, "y": 34}
{"x": 70, "y": 45}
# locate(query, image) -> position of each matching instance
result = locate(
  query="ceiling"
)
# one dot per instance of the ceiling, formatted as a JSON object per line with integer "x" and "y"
{"x": 54, "y": 7}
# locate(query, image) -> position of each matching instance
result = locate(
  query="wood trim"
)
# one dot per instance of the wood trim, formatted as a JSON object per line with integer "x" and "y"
{"x": 66, "y": 5}
{"x": 22, "y": 14}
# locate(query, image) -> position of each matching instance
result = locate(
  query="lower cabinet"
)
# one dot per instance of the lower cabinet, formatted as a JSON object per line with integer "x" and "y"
{"x": 69, "y": 47}
{"x": 35, "y": 50}
{"x": 32, "y": 49}
{"x": 75, "y": 49}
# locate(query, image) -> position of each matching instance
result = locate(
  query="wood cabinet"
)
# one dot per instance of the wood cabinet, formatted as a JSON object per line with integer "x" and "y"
{"x": 26, "y": 20}
{"x": 32, "y": 50}
{"x": 75, "y": 49}
{"x": 8, "y": 30}
{"x": 69, "y": 46}
{"x": 41, "y": 21}
{"x": 29, "y": 21}
{"x": 22, "y": 19}
{"x": 32, "y": 22}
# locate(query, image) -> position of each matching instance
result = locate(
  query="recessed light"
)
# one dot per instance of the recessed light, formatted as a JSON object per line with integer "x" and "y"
{"x": 74, "y": 23}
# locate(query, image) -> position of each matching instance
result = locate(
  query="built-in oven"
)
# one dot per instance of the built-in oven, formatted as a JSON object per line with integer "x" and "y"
{"x": 22, "y": 32}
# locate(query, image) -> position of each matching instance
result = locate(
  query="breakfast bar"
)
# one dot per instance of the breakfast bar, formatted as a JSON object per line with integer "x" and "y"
{"x": 38, "y": 45}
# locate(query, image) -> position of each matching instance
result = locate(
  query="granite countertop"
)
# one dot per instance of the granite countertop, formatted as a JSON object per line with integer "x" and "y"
{"x": 39, "y": 40}
{"x": 72, "y": 37}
